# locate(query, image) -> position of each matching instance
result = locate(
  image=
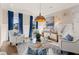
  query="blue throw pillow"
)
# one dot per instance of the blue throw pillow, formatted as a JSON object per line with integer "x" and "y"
{"x": 69, "y": 37}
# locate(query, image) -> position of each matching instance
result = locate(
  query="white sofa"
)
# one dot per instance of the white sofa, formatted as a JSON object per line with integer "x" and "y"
{"x": 70, "y": 46}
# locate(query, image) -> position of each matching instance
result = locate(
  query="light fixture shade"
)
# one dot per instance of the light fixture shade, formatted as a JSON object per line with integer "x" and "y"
{"x": 40, "y": 19}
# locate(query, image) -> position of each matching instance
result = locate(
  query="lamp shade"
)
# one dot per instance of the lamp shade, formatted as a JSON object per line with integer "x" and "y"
{"x": 40, "y": 18}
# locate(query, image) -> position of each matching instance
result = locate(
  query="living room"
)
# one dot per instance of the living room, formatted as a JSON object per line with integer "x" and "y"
{"x": 58, "y": 29}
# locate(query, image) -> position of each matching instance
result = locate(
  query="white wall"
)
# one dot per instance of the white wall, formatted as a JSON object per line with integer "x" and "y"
{"x": 75, "y": 15}
{"x": 71, "y": 19}
{"x": 0, "y": 25}
{"x": 4, "y": 25}
{"x": 26, "y": 24}
{"x": 63, "y": 19}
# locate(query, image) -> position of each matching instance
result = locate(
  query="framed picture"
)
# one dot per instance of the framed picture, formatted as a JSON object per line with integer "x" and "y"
{"x": 54, "y": 37}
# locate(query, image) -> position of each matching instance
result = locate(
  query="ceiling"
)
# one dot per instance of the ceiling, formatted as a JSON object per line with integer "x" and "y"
{"x": 34, "y": 8}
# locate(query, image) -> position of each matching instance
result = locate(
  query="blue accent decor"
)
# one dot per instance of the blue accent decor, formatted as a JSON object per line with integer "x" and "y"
{"x": 31, "y": 23}
{"x": 30, "y": 51}
{"x": 37, "y": 51}
{"x": 10, "y": 20}
{"x": 69, "y": 37}
{"x": 36, "y": 25}
{"x": 42, "y": 52}
{"x": 21, "y": 23}
{"x": 50, "y": 24}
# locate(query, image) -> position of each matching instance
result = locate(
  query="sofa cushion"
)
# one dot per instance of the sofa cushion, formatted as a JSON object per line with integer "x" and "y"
{"x": 68, "y": 37}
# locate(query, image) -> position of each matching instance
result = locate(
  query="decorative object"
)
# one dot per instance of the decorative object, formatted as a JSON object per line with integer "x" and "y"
{"x": 40, "y": 18}
{"x": 54, "y": 36}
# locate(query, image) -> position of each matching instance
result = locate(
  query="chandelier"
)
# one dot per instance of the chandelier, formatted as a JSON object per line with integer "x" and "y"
{"x": 40, "y": 18}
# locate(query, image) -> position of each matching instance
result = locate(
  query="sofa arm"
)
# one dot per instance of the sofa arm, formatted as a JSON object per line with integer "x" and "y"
{"x": 70, "y": 46}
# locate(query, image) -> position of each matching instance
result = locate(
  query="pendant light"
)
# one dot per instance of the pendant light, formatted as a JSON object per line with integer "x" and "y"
{"x": 40, "y": 18}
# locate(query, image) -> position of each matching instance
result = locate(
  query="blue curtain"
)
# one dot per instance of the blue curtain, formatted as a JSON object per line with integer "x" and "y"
{"x": 10, "y": 20}
{"x": 21, "y": 23}
{"x": 31, "y": 23}
{"x": 36, "y": 25}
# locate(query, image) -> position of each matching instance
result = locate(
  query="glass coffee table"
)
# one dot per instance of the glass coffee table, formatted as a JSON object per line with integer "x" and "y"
{"x": 36, "y": 49}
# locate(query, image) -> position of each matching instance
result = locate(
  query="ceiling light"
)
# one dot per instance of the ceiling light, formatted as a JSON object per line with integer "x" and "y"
{"x": 40, "y": 18}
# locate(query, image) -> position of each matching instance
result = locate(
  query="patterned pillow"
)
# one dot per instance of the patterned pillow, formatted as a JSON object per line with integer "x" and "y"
{"x": 69, "y": 37}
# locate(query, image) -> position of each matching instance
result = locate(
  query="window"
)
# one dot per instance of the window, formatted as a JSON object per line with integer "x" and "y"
{"x": 16, "y": 21}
